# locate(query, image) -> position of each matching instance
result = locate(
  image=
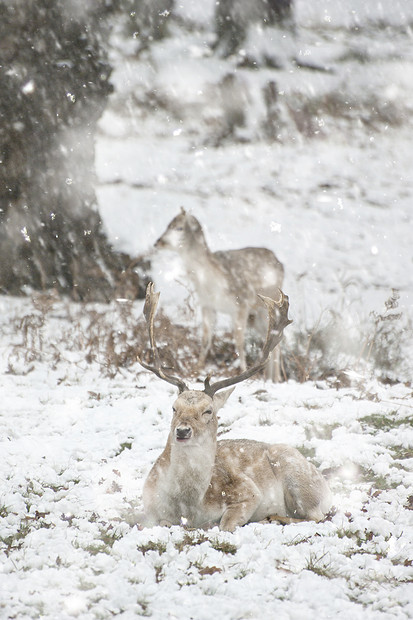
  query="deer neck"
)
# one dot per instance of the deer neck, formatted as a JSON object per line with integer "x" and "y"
{"x": 201, "y": 266}
{"x": 190, "y": 468}
{"x": 196, "y": 249}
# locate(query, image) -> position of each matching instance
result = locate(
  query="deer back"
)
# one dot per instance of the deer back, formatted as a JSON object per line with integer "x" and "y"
{"x": 223, "y": 279}
{"x": 251, "y": 271}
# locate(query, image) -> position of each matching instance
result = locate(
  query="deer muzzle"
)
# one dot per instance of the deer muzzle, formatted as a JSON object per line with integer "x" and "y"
{"x": 183, "y": 433}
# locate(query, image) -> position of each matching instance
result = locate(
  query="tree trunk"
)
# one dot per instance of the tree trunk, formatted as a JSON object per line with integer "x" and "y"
{"x": 54, "y": 84}
{"x": 234, "y": 17}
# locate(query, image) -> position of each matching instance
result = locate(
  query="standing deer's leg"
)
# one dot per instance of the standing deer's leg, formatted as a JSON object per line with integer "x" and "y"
{"x": 208, "y": 324}
{"x": 276, "y": 354}
{"x": 272, "y": 371}
{"x": 239, "y": 335}
{"x": 273, "y": 368}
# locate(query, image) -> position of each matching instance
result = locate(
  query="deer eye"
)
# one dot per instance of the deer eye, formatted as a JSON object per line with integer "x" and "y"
{"x": 207, "y": 412}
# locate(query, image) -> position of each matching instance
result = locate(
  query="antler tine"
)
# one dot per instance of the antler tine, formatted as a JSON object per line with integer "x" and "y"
{"x": 149, "y": 311}
{"x": 274, "y": 335}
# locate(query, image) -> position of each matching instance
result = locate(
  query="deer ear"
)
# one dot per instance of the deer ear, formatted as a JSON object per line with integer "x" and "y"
{"x": 220, "y": 398}
{"x": 192, "y": 224}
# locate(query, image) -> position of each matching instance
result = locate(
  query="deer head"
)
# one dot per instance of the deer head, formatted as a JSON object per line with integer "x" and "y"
{"x": 195, "y": 419}
{"x": 183, "y": 233}
{"x": 205, "y": 403}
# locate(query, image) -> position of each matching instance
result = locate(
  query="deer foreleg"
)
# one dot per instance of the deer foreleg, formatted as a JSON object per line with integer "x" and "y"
{"x": 239, "y": 335}
{"x": 247, "y": 498}
{"x": 273, "y": 367}
{"x": 208, "y": 324}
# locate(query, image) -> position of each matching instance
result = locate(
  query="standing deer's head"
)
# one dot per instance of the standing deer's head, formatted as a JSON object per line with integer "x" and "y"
{"x": 183, "y": 232}
{"x": 194, "y": 410}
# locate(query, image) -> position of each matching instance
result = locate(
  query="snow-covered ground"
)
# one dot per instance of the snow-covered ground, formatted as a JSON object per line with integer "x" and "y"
{"x": 77, "y": 440}
{"x": 75, "y": 450}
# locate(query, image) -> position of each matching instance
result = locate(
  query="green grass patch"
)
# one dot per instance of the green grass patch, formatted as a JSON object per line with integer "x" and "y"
{"x": 378, "y": 422}
{"x": 378, "y": 481}
{"x": 191, "y": 540}
{"x": 320, "y": 566}
{"x": 109, "y": 535}
{"x": 4, "y": 511}
{"x": 28, "y": 523}
{"x": 153, "y": 545}
{"x": 400, "y": 453}
{"x": 309, "y": 453}
{"x": 297, "y": 540}
{"x": 126, "y": 445}
{"x": 224, "y": 546}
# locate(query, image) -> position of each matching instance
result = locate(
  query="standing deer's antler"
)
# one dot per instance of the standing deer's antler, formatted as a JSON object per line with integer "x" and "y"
{"x": 274, "y": 335}
{"x": 149, "y": 310}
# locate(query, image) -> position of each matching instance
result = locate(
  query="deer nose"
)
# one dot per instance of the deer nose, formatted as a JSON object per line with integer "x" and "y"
{"x": 183, "y": 433}
{"x": 159, "y": 243}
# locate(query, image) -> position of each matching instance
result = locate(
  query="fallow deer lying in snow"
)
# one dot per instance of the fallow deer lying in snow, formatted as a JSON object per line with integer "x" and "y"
{"x": 226, "y": 282}
{"x": 199, "y": 481}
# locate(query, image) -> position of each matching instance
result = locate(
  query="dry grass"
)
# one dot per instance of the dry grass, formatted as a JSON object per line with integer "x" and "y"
{"x": 113, "y": 335}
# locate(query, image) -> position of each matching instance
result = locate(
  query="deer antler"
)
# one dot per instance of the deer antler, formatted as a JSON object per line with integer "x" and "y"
{"x": 149, "y": 310}
{"x": 274, "y": 335}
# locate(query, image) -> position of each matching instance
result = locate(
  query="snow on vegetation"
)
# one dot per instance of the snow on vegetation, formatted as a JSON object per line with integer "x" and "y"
{"x": 329, "y": 190}
{"x": 76, "y": 447}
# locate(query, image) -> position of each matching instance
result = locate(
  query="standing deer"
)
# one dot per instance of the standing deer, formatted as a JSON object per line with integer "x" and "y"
{"x": 199, "y": 481}
{"x": 226, "y": 282}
